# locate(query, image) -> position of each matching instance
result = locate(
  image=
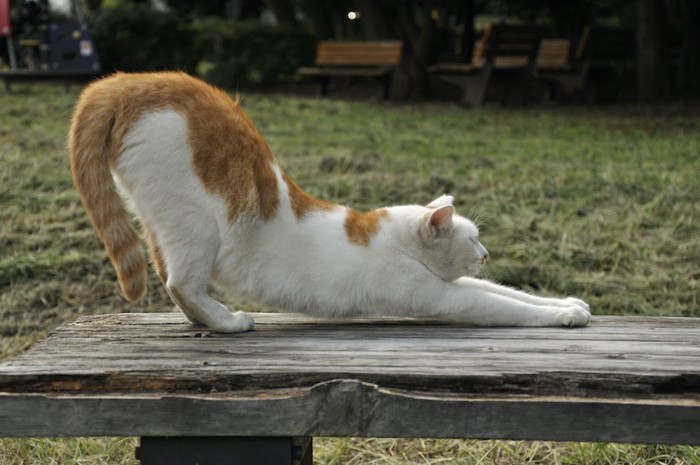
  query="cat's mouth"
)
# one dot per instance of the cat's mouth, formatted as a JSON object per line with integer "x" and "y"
{"x": 470, "y": 271}
{"x": 474, "y": 270}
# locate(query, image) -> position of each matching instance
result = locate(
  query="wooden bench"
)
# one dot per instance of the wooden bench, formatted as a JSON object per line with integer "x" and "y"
{"x": 367, "y": 59}
{"x": 606, "y": 51}
{"x": 552, "y": 54}
{"x": 506, "y": 52}
{"x": 191, "y": 394}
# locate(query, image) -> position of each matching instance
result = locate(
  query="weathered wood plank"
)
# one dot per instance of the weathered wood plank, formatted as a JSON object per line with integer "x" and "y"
{"x": 350, "y": 408}
{"x": 642, "y": 356}
{"x": 155, "y": 374}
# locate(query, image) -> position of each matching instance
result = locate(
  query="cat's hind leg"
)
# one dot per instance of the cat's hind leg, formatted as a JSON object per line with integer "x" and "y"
{"x": 158, "y": 261}
{"x": 189, "y": 264}
{"x": 197, "y": 305}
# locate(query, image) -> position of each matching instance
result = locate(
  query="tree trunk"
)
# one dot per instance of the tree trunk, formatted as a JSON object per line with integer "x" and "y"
{"x": 376, "y": 21}
{"x": 653, "y": 79}
{"x": 469, "y": 35}
{"x": 284, "y": 13}
{"x": 320, "y": 18}
{"x": 570, "y": 18}
{"x": 94, "y": 5}
{"x": 411, "y": 24}
{"x": 690, "y": 65}
{"x": 418, "y": 31}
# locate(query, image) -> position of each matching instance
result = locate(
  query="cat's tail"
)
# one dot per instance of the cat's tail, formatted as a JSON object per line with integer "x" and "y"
{"x": 94, "y": 146}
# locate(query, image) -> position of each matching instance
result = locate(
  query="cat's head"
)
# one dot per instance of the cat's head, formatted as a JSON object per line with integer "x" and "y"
{"x": 448, "y": 243}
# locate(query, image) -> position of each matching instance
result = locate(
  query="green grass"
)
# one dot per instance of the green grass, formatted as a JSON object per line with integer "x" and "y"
{"x": 602, "y": 203}
{"x": 82, "y": 451}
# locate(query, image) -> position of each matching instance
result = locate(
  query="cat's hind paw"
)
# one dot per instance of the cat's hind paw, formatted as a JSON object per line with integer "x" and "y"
{"x": 237, "y": 323}
{"x": 573, "y": 317}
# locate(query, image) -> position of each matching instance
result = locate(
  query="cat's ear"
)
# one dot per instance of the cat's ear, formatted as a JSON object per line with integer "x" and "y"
{"x": 440, "y": 221}
{"x": 441, "y": 201}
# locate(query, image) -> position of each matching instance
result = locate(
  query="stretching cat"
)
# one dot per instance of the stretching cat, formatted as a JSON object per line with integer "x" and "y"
{"x": 216, "y": 207}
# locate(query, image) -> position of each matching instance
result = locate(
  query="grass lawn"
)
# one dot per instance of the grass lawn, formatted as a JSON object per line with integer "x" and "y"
{"x": 600, "y": 203}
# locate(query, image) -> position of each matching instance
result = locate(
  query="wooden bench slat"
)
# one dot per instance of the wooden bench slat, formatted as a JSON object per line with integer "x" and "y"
{"x": 318, "y": 351}
{"x": 358, "y": 53}
{"x": 361, "y": 59}
{"x": 356, "y": 58}
{"x": 554, "y": 54}
{"x": 156, "y": 374}
{"x": 376, "y": 72}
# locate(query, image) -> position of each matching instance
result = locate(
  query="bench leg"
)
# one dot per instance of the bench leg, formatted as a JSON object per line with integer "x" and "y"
{"x": 472, "y": 87}
{"x": 225, "y": 451}
{"x": 323, "y": 83}
{"x": 517, "y": 88}
{"x": 385, "y": 82}
{"x": 478, "y": 85}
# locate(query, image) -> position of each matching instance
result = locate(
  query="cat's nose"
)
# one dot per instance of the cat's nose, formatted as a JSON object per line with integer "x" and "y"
{"x": 484, "y": 257}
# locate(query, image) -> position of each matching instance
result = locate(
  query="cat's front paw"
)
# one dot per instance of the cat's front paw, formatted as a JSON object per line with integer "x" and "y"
{"x": 237, "y": 323}
{"x": 574, "y": 316}
{"x": 578, "y": 302}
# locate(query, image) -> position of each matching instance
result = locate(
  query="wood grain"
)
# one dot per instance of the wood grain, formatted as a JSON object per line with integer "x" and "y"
{"x": 628, "y": 379}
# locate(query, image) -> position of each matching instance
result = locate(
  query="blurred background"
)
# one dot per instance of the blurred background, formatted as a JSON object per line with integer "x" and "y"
{"x": 585, "y": 184}
{"x": 260, "y": 44}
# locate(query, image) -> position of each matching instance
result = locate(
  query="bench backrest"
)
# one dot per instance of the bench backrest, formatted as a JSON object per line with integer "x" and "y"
{"x": 554, "y": 54}
{"x": 599, "y": 45}
{"x": 358, "y": 53}
{"x": 507, "y": 45}
{"x": 511, "y": 40}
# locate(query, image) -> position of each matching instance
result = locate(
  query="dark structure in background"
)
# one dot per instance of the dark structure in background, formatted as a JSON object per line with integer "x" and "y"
{"x": 667, "y": 34}
{"x": 221, "y": 34}
{"x": 40, "y": 49}
{"x": 667, "y": 45}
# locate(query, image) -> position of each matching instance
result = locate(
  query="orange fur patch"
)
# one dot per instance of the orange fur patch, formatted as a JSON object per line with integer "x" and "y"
{"x": 231, "y": 157}
{"x": 303, "y": 203}
{"x": 156, "y": 254}
{"x": 361, "y": 227}
{"x": 229, "y": 154}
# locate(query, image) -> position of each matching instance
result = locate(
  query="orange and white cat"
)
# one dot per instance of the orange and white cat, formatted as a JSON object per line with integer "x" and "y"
{"x": 216, "y": 208}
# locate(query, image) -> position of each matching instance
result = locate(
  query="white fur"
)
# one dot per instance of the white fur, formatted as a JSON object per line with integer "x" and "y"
{"x": 421, "y": 263}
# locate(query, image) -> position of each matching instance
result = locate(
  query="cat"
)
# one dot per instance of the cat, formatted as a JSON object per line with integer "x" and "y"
{"x": 216, "y": 208}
